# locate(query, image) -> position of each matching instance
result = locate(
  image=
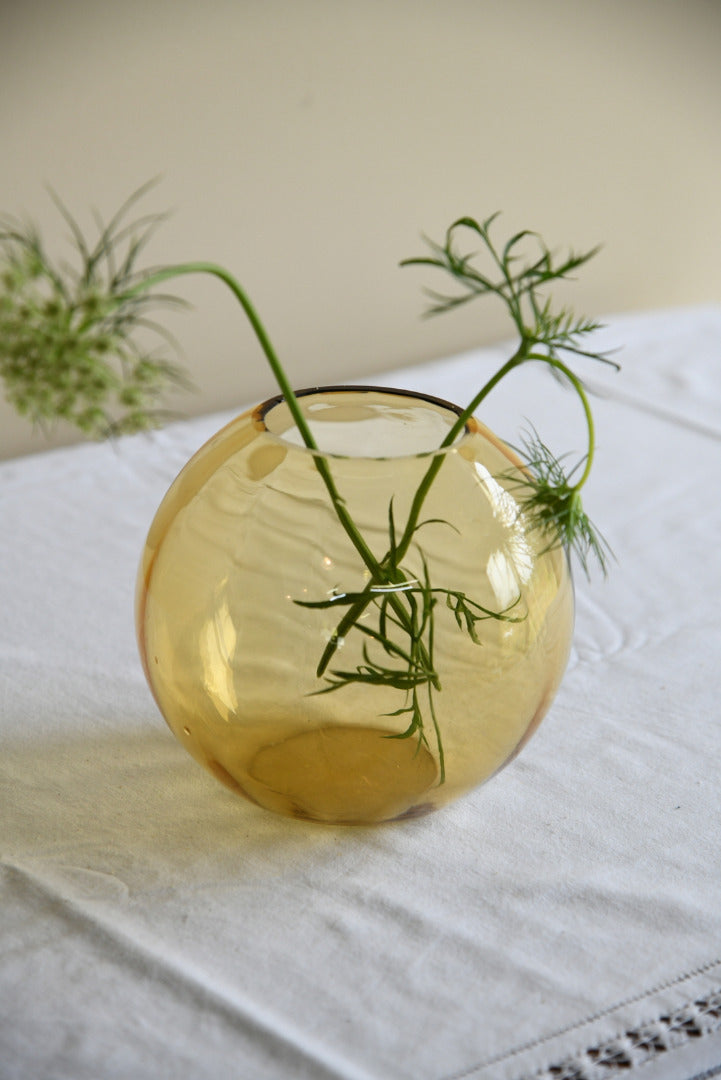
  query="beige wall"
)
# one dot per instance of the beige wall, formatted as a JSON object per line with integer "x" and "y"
{"x": 307, "y": 144}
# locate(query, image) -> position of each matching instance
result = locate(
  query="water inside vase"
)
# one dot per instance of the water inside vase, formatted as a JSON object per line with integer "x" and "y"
{"x": 348, "y": 775}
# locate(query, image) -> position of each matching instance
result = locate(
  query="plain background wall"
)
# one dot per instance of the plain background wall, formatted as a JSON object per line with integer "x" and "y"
{"x": 306, "y": 144}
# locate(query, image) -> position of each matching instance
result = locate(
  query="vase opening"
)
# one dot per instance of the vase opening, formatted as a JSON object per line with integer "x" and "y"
{"x": 359, "y": 421}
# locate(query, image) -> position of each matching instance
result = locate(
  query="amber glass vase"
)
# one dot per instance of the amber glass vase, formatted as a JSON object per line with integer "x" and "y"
{"x": 249, "y": 570}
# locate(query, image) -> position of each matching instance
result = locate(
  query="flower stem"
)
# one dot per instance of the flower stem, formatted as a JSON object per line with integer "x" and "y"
{"x": 433, "y": 469}
{"x": 240, "y": 294}
{"x": 578, "y": 386}
{"x": 286, "y": 389}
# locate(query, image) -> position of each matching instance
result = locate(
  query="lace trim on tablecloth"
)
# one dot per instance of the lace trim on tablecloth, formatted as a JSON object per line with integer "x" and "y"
{"x": 640, "y": 1044}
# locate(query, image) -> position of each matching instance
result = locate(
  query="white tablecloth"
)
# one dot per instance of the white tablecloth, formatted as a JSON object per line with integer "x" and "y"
{"x": 562, "y": 922}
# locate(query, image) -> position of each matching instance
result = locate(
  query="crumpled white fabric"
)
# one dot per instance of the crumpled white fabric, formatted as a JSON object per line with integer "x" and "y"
{"x": 155, "y": 926}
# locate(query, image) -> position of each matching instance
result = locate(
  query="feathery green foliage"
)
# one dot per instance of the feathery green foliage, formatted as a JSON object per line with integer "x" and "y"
{"x": 553, "y": 505}
{"x": 68, "y": 333}
{"x": 549, "y": 498}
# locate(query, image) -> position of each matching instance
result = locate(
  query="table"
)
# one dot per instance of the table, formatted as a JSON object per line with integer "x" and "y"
{"x": 563, "y": 921}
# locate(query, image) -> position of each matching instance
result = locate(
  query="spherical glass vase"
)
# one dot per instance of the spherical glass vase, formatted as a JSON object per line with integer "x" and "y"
{"x": 334, "y": 635}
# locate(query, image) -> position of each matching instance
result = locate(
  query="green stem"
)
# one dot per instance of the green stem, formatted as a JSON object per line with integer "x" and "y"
{"x": 253, "y": 318}
{"x": 577, "y": 385}
{"x": 346, "y": 520}
{"x": 286, "y": 389}
{"x": 439, "y": 740}
{"x": 520, "y": 355}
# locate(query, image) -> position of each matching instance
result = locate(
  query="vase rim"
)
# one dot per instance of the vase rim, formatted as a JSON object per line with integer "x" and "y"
{"x": 260, "y": 412}
{"x": 341, "y": 388}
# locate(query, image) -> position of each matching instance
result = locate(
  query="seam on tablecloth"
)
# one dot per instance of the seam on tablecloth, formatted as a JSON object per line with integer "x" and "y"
{"x": 543, "y": 1072}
